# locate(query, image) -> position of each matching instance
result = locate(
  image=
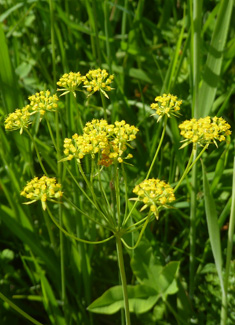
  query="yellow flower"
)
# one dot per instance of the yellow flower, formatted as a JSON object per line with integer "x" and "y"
{"x": 81, "y": 145}
{"x": 109, "y": 141}
{"x": 204, "y": 130}
{"x": 119, "y": 134}
{"x": 42, "y": 189}
{"x": 98, "y": 80}
{"x": 42, "y": 102}
{"x": 18, "y": 120}
{"x": 166, "y": 105}
{"x": 155, "y": 194}
{"x": 70, "y": 82}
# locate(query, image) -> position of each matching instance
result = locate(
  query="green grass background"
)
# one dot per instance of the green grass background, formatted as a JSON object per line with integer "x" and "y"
{"x": 186, "y": 48}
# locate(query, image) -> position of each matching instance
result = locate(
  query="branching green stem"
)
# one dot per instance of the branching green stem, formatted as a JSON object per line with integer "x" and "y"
{"x": 189, "y": 166}
{"x": 89, "y": 199}
{"x": 75, "y": 237}
{"x": 140, "y": 235}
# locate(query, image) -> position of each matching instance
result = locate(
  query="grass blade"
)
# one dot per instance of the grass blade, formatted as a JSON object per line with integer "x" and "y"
{"x": 229, "y": 252}
{"x": 19, "y": 310}
{"x": 8, "y": 84}
{"x": 213, "y": 227}
{"x": 212, "y": 72}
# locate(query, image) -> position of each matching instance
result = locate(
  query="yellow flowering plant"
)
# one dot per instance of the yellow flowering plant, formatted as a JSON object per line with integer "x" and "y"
{"x": 95, "y": 159}
{"x": 70, "y": 82}
{"x": 43, "y": 189}
{"x": 98, "y": 80}
{"x": 18, "y": 120}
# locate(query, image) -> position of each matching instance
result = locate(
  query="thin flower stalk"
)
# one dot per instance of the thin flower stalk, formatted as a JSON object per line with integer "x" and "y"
{"x": 123, "y": 279}
{"x": 37, "y": 152}
{"x": 104, "y": 106}
{"x": 75, "y": 237}
{"x": 158, "y": 148}
{"x": 141, "y": 233}
{"x": 94, "y": 204}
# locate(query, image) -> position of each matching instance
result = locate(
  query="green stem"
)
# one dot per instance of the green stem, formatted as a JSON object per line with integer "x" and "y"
{"x": 117, "y": 192}
{"x": 75, "y": 237}
{"x": 95, "y": 21}
{"x": 192, "y": 231}
{"x": 140, "y": 235}
{"x": 158, "y": 148}
{"x": 150, "y": 168}
{"x": 124, "y": 14}
{"x": 50, "y": 232}
{"x": 87, "y": 183}
{"x": 123, "y": 279}
{"x": 104, "y": 106}
{"x": 37, "y": 152}
{"x": 195, "y": 18}
{"x": 19, "y": 310}
{"x": 90, "y": 200}
{"x": 126, "y": 189}
{"x": 88, "y": 216}
{"x": 134, "y": 226}
{"x": 59, "y": 169}
{"x": 101, "y": 188}
{"x": 51, "y": 134}
{"x": 52, "y": 40}
{"x": 224, "y": 309}
{"x": 130, "y": 213}
{"x": 106, "y": 28}
{"x": 189, "y": 165}
{"x": 78, "y": 115}
{"x": 185, "y": 171}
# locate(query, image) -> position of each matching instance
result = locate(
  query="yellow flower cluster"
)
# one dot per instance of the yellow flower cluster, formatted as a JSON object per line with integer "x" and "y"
{"x": 166, "y": 105}
{"x": 39, "y": 102}
{"x": 98, "y": 80}
{"x": 42, "y": 189}
{"x": 108, "y": 140}
{"x": 19, "y": 119}
{"x": 70, "y": 82}
{"x": 155, "y": 194}
{"x": 94, "y": 80}
{"x": 204, "y": 130}
{"x": 42, "y": 102}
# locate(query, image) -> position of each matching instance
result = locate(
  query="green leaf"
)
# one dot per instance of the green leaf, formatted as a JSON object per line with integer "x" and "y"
{"x": 8, "y": 81}
{"x": 219, "y": 170}
{"x": 150, "y": 272}
{"x": 213, "y": 227}
{"x": 141, "y": 298}
{"x": 212, "y": 72}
